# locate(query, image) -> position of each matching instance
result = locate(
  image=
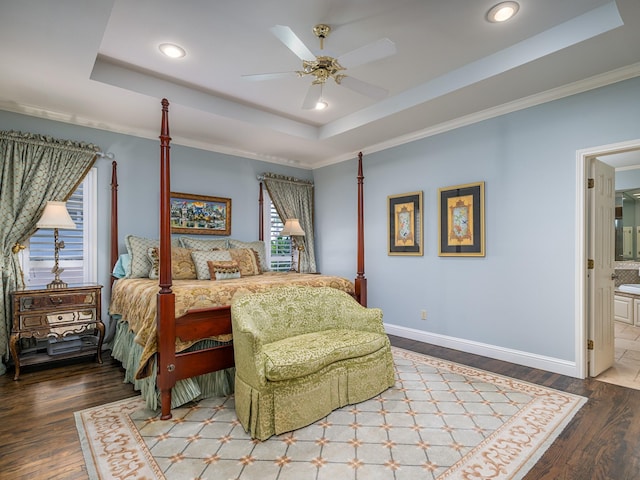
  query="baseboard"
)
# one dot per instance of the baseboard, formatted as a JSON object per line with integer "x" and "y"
{"x": 527, "y": 359}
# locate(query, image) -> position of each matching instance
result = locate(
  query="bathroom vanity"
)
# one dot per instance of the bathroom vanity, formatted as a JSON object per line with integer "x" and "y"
{"x": 626, "y": 304}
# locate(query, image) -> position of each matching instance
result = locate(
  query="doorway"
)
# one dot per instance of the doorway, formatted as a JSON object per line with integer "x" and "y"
{"x": 626, "y": 367}
{"x": 616, "y": 155}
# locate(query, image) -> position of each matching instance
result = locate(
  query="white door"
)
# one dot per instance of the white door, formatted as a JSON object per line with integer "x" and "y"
{"x": 600, "y": 246}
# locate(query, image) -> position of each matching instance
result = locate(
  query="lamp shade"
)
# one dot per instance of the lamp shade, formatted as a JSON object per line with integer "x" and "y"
{"x": 292, "y": 228}
{"x": 55, "y": 215}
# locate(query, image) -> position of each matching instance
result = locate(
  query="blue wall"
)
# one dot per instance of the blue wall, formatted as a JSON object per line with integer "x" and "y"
{"x": 521, "y": 295}
{"x": 192, "y": 171}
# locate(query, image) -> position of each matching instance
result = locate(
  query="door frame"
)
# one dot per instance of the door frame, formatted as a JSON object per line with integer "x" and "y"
{"x": 582, "y": 287}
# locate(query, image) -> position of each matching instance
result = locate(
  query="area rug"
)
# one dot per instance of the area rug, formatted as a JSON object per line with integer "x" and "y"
{"x": 442, "y": 420}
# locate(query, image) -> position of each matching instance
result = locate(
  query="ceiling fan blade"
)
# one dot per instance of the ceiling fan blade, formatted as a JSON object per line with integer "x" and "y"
{"x": 364, "y": 88}
{"x": 368, "y": 53}
{"x": 292, "y": 42}
{"x": 268, "y": 76}
{"x": 313, "y": 95}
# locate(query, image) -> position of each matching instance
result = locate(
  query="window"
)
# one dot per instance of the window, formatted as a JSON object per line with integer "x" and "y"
{"x": 278, "y": 248}
{"x": 78, "y": 257}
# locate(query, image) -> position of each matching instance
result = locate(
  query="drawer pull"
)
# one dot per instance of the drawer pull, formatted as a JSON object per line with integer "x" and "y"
{"x": 57, "y": 300}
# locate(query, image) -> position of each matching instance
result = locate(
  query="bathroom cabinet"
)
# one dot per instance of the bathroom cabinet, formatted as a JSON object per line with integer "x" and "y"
{"x": 636, "y": 311}
{"x": 623, "y": 309}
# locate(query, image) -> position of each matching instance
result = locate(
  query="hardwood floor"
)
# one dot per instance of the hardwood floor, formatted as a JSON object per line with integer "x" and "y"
{"x": 39, "y": 441}
{"x": 38, "y": 436}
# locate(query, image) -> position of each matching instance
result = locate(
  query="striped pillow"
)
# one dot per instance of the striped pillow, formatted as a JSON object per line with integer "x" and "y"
{"x": 224, "y": 270}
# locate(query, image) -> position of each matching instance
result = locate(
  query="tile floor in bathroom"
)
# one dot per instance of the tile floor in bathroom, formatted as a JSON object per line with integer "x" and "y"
{"x": 626, "y": 370}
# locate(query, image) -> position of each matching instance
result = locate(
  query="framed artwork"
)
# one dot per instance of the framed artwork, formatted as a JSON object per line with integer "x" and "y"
{"x": 461, "y": 222}
{"x": 198, "y": 214}
{"x": 405, "y": 224}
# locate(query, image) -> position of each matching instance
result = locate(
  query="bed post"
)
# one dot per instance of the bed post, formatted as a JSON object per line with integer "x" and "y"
{"x": 114, "y": 216}
{"x": 260, "y": 214}
{"x": 361, "y": 281}
{"x": 166, "y": 356}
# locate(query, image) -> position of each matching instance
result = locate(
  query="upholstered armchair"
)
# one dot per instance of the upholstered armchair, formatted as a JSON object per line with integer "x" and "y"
{"x": 302, "y": 352}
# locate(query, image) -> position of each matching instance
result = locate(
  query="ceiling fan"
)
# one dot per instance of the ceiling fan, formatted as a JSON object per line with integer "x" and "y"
{"x": 324, "y": 67}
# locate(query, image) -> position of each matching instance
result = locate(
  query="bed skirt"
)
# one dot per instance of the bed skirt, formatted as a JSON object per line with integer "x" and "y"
{"x": 128, "y": 352}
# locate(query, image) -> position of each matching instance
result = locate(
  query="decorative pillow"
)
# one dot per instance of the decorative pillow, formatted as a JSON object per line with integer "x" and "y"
{"x": 200, "y": 259}
{"x": 182, "y": 266}
{"x": 248, "y": 261}
{"x": 204, "y": 244}
{"x": 223, "y": 270}
{"x": 137, "y": 248}
{"x": 258, "y": 246}
{"x": 122, "y": 265}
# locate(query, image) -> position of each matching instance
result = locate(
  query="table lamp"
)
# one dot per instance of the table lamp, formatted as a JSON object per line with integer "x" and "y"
{"x": 56, "y": 216}
{"x": 293, "y": 229}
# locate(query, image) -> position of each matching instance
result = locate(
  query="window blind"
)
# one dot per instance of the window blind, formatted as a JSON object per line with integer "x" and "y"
{"x": 41, "y": 243}
{"x": 280, "y": 247}
{"x": 41, "y": 247}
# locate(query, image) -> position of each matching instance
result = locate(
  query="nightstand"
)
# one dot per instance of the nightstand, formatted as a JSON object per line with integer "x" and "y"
{"x": 66, "y": 323}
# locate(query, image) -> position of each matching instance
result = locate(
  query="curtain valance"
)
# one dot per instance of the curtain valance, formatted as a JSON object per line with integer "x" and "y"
{"x": 285, "y": 179}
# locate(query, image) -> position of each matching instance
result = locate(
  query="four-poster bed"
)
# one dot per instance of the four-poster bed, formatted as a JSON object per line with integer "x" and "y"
{"x": 175, "y": 325}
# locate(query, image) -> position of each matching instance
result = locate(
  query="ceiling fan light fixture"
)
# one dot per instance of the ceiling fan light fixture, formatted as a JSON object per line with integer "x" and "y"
{"x": 172, "y": 50}
{"x": 324, "y": 67}
{"x": 502, "y": 12}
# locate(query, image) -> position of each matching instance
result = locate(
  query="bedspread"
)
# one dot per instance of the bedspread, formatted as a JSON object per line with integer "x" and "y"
{"x": 135, "y": 300}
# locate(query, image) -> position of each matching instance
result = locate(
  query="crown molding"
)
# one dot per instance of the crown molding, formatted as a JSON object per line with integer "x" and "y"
{"x": 581, "y": 86}
{"x": 591, "y": 83}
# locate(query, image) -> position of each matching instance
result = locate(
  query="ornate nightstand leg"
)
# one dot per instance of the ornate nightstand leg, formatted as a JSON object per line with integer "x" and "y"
{"x": 100, "y": 327}
{"x": 14, "y": 353}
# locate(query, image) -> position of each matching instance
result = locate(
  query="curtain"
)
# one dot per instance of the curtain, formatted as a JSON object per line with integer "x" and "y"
{"x": 293, "y": 198}
{"x": 34, "y": 169}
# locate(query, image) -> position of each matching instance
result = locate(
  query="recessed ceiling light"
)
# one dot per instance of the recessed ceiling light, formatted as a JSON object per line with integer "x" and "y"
{"x": 502, "y": 12}
{"x": 172, "y": 50}
{"x": 321, "y": 105}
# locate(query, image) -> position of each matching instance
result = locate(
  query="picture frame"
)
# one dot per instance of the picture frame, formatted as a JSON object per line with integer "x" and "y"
{"x": 200, "y": 214}
{"x": 461, "y": 223}
{"x": 405, "y": 226}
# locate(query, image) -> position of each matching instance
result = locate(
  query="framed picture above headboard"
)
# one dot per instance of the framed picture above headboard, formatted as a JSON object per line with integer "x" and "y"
{"x": 200, "y": 214}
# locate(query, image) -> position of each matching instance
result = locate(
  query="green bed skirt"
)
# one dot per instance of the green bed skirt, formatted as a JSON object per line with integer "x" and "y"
{"x": 127, "y": 351}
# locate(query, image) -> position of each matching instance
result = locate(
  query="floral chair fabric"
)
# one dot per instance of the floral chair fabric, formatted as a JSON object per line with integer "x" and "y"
{"x": 301, "y": 352}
